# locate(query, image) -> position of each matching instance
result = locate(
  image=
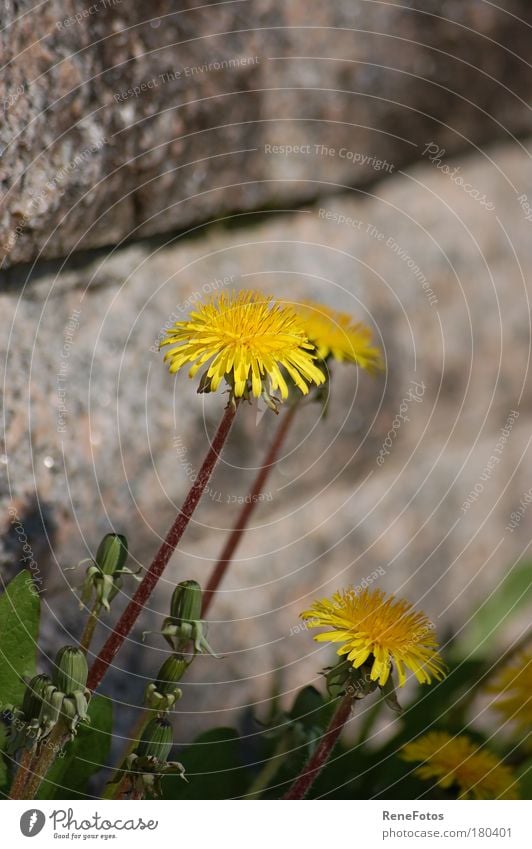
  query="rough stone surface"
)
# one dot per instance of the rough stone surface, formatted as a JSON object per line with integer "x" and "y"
{"x": 123, "y": 119}
{"x": 123, "y": 450}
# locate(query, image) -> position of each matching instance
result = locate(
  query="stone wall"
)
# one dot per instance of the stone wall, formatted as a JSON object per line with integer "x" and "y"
{"x": 121, "y": 120}
{"x": 98, "y": 434}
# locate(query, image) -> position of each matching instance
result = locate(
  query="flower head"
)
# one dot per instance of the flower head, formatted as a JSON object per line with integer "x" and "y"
{"x": 513, "y": 688}
{"x": 459, "y": 761}
{"x": 248, "y": 339}
{"x": 336, "y": 334}
{"x": 381, "y": 630}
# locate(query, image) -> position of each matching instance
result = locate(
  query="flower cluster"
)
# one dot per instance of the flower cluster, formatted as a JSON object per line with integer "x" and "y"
{"x": 379, "y": 631}
{"x": 259, "y": 345}
{"x": 246, "y": 338}
{"x": 512, "y": 687}
{"x": 336, "y": 335}
{"x": 47, "y": 702}
{"x": 144, "y": 768}
{"x": 458, "y": 761}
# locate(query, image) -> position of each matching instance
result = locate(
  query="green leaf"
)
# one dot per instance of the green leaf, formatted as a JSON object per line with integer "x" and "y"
{"x": 3, "y": 765}
{"x": 514, "y": 593}
{"x": 213, "y": 766}
{"x": 85, "y": 755}
{"x": 19, "y": 631}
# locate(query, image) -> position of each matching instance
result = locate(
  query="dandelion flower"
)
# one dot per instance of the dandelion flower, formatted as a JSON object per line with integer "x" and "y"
{"x": 249, "y": 339}
{"x": 513, "y": 690}
{"x": 336, "y": 334}
{"x": 459, "y": 761}
{"x": 380, "y": 628}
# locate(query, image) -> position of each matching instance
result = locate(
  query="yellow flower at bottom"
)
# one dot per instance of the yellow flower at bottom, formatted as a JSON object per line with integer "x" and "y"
{"x": 382, "y": 628}
{"x": 513, "y": 689}
{"x": 459, "y": 761}
{"x": 246, "y": 338}
{"x": 336, "y": 334}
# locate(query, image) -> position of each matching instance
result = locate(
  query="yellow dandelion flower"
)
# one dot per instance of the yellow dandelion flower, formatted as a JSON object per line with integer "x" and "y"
{"x": 382, "y": 628}
{"x": 336, "y": 334}
{"x": 246, "y": 338}
{"x": 459, "y": 761}
{"x": 512, "y": 687}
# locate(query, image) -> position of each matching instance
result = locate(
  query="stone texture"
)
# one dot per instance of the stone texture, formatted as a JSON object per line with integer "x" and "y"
{"x": 87, "y": 162}
{"x": 122, "y": 451}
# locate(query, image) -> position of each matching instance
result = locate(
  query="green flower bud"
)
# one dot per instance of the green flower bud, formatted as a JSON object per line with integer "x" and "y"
{"x": 170, "y": 673}
{"x": 186, "y": 602}
{"x": 162, "y": 694}
{"x": 33, "y": 696}
{"x": 112, "y": 553}
{"x": 71, "y": 670}
{"x": 156, "y": 741}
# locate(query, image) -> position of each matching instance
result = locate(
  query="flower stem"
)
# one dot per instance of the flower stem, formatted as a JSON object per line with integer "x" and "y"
{"x": 317, "y": 761}
{"x": 21, "y": 776}
{"x": 244, "y": 516}
{"x": 90, "y": 625}
{"x": 154, "y": 572}
{"x": 42, "y": 763}
{"x": 114, "y": 791}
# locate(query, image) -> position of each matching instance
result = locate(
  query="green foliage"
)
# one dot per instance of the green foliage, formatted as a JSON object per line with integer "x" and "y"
{"x": 514, "y": 593}
{"x": 220, "y": 764}
{"x": 3, "y": 765}
{"x": 214, "y": 768}
{"x": 19, "y": 630}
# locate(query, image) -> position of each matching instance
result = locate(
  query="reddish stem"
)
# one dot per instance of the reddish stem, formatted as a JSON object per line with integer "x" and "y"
{"x": 317, "y": 761}
{"x": 244, "y": 516}
{"x": 148, "y": 583}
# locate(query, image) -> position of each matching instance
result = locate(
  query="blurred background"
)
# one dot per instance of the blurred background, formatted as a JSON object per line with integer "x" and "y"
{"x": 373, "y": 156}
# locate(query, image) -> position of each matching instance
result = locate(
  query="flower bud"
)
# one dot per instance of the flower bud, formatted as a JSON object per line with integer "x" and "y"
{"x": 162, "y": 694}
{"x": 186, "y": 602}
{"x": 71, "y": 670}
{"x": 170, "y": 673}
{"x": 33, "y": 696}
{"x": 112, "y": 553}
{"x": 156, "y": 741}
